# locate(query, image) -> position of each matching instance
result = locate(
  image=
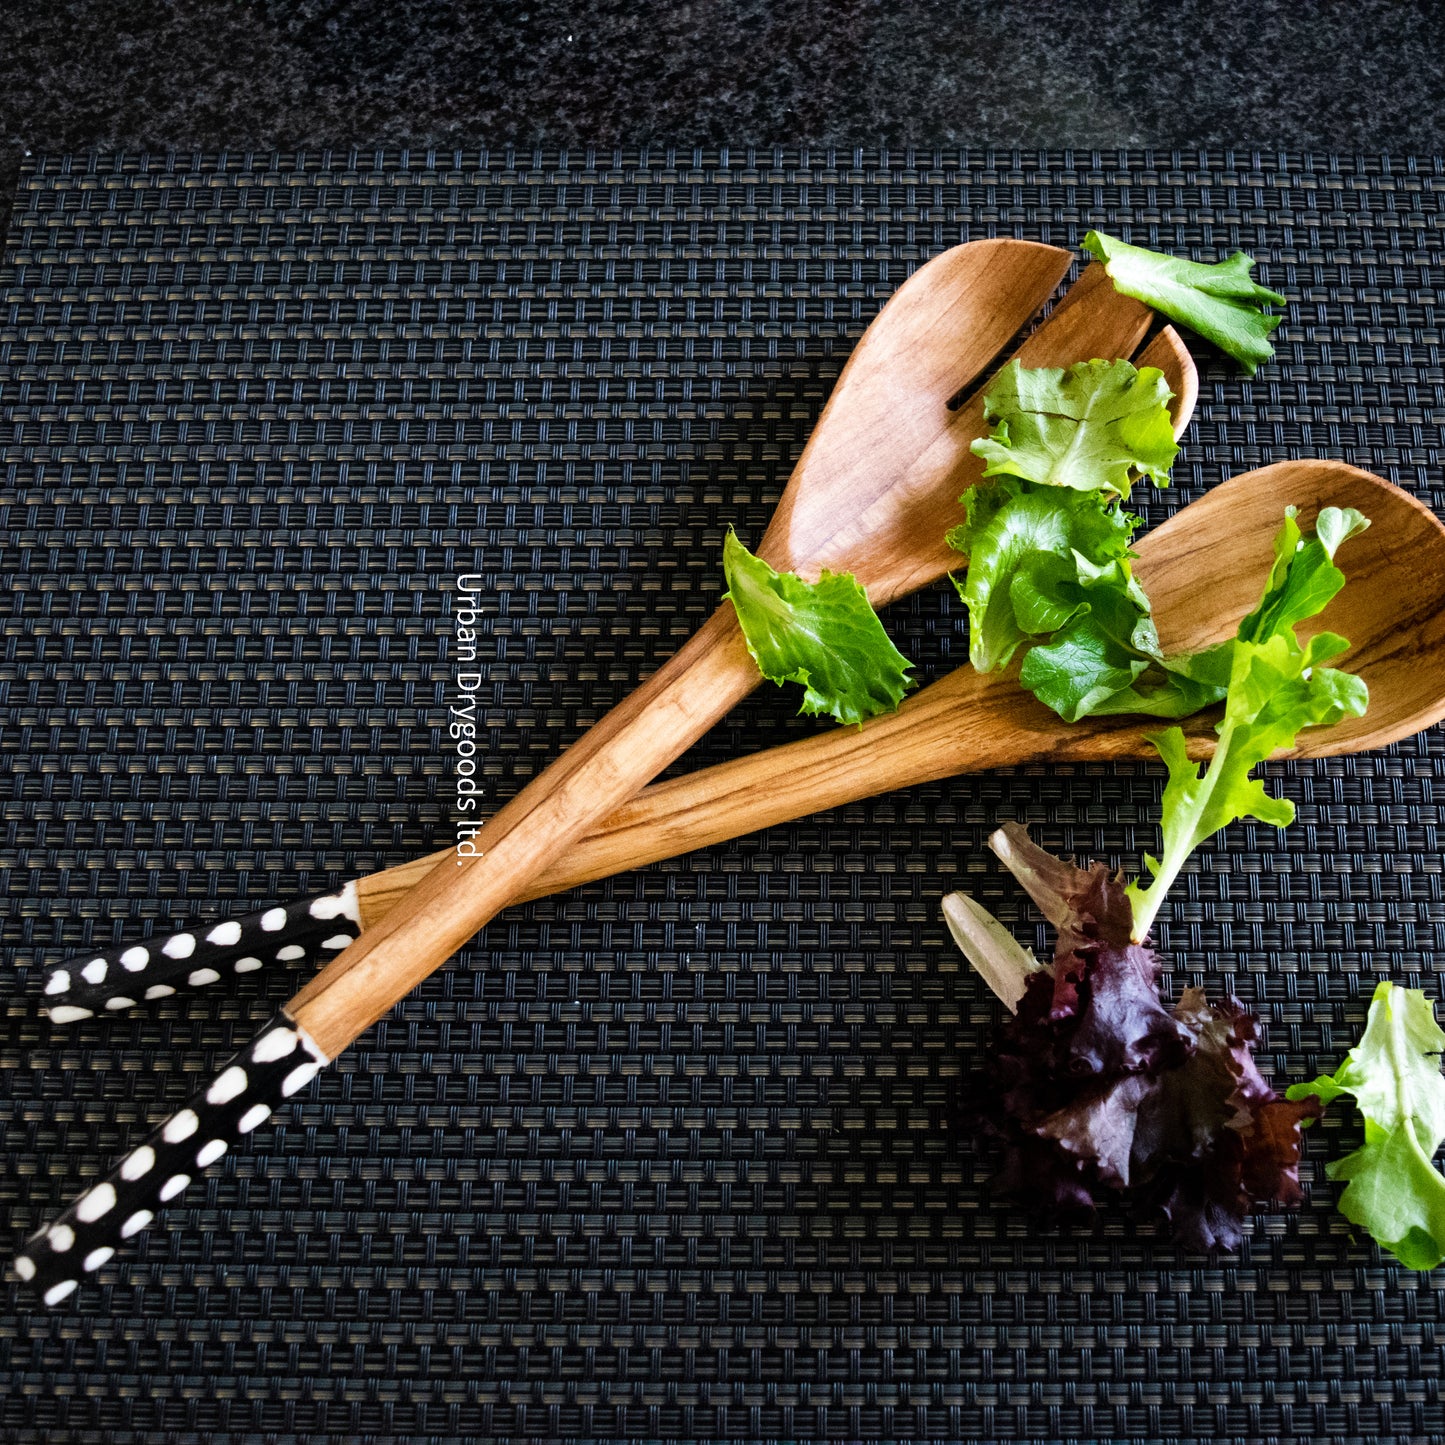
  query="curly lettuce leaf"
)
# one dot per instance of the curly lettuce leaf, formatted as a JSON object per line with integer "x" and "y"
{"x": 1048, "y": 543}
{"x": 1304, "y": 577}
{"x": 1026, "y": 546}
{"x": 1106, "y": 657}
{"x": 1095, "y": 425}
{"x": 824, "y": 635}
{"x": 1391, "y": 1187}
{"x": 1219, "y": 301}
{"x": 1276, "y": 686}
{"x": 1050, "y": 570}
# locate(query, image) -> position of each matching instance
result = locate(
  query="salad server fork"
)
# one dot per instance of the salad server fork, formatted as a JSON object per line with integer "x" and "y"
{"x": 873, "y": 493}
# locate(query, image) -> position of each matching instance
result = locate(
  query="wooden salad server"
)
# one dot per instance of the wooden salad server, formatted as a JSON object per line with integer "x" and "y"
{"x": 873, "y": 493}
{"x": 1203, "y": 570}
{"x": 1393, "y": 612}
{"x": 695, "y": 807}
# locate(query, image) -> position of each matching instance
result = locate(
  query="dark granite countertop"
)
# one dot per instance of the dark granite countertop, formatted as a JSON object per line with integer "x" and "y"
{"x": 1341, "y": 75}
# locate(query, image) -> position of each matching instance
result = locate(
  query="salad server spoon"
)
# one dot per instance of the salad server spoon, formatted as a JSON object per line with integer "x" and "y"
{"x": 873, "y": 493}
{"x": 1393, "y": 612}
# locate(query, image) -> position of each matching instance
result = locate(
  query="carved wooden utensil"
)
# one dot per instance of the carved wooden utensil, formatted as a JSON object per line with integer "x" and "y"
{"x": 691, "y": 812}
{"x": 1205, "y": 566}
{"x": 1203, "y": 570}
{"x": 873, "y": 493}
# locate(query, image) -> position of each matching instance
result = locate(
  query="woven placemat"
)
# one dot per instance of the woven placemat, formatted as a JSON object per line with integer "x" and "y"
{"x": 671, "y": 1156}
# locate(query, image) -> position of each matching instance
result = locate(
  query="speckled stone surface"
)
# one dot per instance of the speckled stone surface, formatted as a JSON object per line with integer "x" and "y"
{"x": 1343, "y": 75}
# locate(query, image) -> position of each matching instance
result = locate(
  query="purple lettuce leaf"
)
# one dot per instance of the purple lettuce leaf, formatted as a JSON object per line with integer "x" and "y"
{"x": 1096, "y": 1089}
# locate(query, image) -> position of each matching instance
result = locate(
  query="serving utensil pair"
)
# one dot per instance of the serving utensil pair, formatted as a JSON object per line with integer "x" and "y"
{"x": 873, "y": 493}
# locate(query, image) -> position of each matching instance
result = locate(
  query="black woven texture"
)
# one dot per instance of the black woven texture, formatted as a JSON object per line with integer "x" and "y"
{"x": 673, "y": 1156}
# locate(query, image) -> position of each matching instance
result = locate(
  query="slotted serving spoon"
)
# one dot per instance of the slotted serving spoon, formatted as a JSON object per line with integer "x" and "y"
{"x": 873, "y": 493}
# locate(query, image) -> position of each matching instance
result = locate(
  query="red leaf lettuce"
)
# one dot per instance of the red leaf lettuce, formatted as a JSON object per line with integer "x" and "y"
{"x": 1097, "y": 1089}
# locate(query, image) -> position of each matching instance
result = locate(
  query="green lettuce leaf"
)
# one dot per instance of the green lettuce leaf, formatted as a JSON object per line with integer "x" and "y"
{"x": 1048, "y": 543}
{"x": 1276, "y": 686}
{"x": 1094, "y": 425}
{"x": 1304, "y": 577}
{"x": 1026, "y": 547}
{"x": 1050, "y": 570}
{"x": 1106, "y": 658}
{"x": 823, "y": 634}
{"x": 1392, "y": 1189}
{"x": 1218, "y": 301}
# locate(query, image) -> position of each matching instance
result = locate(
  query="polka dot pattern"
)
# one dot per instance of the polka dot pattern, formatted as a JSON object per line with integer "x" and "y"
{"x": 97, "y": 983}
{"x": 242, "y": 1096}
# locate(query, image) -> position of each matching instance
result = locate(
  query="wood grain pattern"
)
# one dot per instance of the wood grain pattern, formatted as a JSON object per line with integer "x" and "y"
{"x": 1210, "y": 562}
{"x": 1204, "y": 567}
{"x": 889, "y": 529}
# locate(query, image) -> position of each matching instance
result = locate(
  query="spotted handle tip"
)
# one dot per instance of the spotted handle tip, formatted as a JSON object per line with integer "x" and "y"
{"x": 280, "y": 1061}
{"x": 98, "y": 983}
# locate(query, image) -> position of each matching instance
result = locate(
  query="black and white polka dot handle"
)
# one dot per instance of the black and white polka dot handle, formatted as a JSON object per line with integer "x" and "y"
{"x": 98, "y": 983}
{"x": 279, "y": 1062}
